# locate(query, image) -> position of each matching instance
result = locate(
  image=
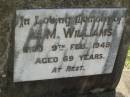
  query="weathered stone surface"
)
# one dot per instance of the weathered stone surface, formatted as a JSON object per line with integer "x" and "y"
{"x": 46, "y": 48}
{"x": 55, "y": 87}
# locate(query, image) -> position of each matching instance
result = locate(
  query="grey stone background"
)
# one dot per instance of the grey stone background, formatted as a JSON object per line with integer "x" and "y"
{"x": 50, "y": 88}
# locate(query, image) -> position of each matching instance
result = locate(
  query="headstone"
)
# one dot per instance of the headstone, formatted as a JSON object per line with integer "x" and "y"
{"x": 62, "y": 48}
{"x": 62, "y": 43}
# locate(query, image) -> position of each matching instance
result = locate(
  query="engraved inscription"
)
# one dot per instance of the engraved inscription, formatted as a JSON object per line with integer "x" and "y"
{"x": 58, "y": 43}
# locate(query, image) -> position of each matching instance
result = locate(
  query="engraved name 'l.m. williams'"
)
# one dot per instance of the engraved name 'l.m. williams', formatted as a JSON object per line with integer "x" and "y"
{"x": 59, "y": 43}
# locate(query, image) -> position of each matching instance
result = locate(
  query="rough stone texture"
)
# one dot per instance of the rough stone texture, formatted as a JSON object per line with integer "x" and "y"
{"x": 56, "y": 87}
{"x": 124, "y": 84}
